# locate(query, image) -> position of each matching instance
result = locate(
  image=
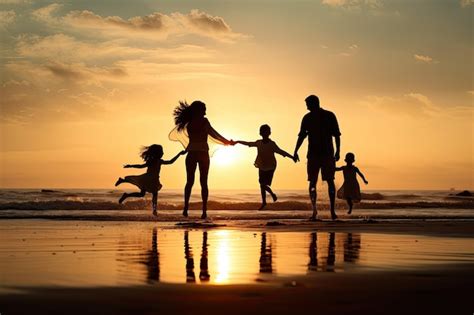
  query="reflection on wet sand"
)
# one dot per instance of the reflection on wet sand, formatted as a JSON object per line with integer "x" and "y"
{"x": 265, "y": 255}
{"x": 204, "y": 265}
{"x": 188, "y": 255}
{"x": 153, "y": 261}
{"x": 131, "y": 254}
{"x": 328, "y": 252}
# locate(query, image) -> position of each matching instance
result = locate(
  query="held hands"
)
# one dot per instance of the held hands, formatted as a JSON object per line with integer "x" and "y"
{"x": 232, "y": 142}
{"x": 336, "y": 156}
{"x": 366, "y": 182}
{"x": 296, "y": 158}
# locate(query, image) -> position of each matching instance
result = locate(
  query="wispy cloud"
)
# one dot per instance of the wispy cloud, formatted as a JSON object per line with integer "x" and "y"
{"x": 6, "y": 18}
{"x": 155, "y": 25}
{"x": 424, "y": 59}
{"x": 351, "y": 4}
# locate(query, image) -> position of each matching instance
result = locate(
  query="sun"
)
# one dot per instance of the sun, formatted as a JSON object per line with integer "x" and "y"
{"x": 225, "y": 156}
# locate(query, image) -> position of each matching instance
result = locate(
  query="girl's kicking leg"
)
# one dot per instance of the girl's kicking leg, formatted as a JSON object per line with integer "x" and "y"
{"x": 154, "y": 201}
{"x": 119, "y": 181}
{"x": 349, "y": 202}
{"x": 135, "y": 194}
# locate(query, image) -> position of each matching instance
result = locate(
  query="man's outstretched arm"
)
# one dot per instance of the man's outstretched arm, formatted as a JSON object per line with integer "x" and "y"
{"x": 301, "y": 136}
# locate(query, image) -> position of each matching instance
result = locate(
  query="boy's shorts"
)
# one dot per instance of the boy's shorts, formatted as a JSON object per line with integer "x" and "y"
{"x": 327, "y": 165}
{"x": 265, "y": 177}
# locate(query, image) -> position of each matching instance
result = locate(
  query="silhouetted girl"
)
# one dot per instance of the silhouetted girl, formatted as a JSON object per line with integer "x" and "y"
{"x": 350, "y": 190}
{"x": 150, "y": 181}
{"x": 193, "y": 130}
{"x": 266, "y": 162}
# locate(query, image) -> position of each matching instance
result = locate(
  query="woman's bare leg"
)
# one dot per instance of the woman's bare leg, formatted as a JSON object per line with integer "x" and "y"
{"x": 204, "y": 174}
{"x": 154, "y": 201}
{"x": 191, "y": 165}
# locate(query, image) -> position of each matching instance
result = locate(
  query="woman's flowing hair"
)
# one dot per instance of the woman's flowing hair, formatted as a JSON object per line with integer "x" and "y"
{"x": 184, "y": 112}
{"x": 152, "y": 152}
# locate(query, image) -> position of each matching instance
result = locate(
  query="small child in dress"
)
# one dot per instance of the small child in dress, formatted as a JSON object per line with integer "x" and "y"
{"x": 350, "y": 190}
{"x": 150, "y": 181}
{"x": 266, "y": 162}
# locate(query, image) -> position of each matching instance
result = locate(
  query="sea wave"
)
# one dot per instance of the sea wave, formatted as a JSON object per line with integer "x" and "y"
{"x": 216, "y": 205}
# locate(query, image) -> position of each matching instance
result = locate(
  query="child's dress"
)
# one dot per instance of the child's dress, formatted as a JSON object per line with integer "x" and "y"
{"x": 350, "y": 189}
{"x": 150, "y": 181}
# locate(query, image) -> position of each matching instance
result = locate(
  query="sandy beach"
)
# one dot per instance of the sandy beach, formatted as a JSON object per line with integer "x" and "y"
{"x": 235, "y": 266}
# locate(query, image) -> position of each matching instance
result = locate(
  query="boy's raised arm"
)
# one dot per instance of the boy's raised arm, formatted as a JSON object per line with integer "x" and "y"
{"x": 250, "y": 144}
{"x": 282, "y": 152}
{"x": 174, "y": 158}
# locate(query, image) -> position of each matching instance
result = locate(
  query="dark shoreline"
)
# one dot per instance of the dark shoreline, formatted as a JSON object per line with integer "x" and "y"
{"x": 441, "y": 290}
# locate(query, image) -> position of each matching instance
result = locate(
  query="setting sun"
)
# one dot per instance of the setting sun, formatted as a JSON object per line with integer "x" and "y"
{"x": 225, "y": 156}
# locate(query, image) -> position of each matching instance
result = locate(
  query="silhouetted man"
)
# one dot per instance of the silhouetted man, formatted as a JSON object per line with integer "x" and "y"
{"x": 320, "y": 126}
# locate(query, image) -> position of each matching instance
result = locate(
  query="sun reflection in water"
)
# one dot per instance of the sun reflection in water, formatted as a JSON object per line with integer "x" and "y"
{"x": 224, "y": 257}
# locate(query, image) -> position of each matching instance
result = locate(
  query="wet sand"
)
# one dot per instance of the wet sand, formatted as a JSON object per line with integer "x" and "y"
{"x": 443, "y": 287}
{"x": 446, "y": 291}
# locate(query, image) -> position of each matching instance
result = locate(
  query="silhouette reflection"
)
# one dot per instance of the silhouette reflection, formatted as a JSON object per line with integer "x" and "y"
{"x": 204, "y": 265}
{"x": 351, "y": 248}
{"x": 313, "y": 252}
{"x": 152, "y": 261}
{"x": 265, "y": 255}
{"x": 328, "y": 262}
{"x": 188, "y": 255}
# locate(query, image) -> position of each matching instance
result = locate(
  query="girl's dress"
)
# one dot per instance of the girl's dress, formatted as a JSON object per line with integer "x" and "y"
{"x": 150, "y": 181}
{"x": 350, "y": 189}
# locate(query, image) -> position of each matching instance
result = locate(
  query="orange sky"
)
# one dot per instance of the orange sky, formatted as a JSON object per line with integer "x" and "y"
{"x": 85, "y": 84}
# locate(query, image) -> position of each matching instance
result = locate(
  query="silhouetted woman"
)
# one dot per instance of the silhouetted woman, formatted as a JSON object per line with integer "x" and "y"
{"x": 193, "y": 130}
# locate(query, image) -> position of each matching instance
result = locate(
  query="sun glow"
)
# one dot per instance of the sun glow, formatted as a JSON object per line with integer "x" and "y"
{"x": 225, "y": 156}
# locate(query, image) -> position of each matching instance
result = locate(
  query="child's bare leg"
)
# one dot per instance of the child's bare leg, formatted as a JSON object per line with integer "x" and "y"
{"x": 119, "y": 181}
{"x": 135, "y": 194}
{"x": 270, "y": 191}
{"x": 349, "y": 202}
{"x": 154, "y": 201}
{"x": 264, "y": 197}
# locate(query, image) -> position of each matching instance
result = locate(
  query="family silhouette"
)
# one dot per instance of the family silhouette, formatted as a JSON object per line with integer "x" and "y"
{"x": 194, "y": 131}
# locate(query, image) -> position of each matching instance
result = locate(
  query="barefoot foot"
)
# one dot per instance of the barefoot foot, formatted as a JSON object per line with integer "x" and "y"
{"x": 119, "y": 181}
{"x": 185, "y": 213}
{"x": 274, "y": 197}
{"x": 262, "y": 206}
{"x": 313, "y": 218}
{"x": 204, "y": 215}
{"x": 124, "y": 196}
{"x": 155, "y": 213}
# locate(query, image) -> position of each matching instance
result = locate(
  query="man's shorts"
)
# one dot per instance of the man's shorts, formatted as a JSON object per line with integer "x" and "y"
{"x": 327, "y": 165}
{"x": 265, "y": 177}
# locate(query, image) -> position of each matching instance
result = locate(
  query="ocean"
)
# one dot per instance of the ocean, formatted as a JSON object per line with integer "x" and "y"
{"x": 396, "y": 204}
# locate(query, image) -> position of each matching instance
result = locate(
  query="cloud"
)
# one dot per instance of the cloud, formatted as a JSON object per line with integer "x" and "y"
{"x": 44, "y": 14}
{"x": 466, "y": 3}
{"x": 155, "y": 25}
{"x": 410, "y": 104}
{"x": 354, "y": 4}
{"x": 65, "y": 48}
{"x": 424, "y": 59}
{"x": 471, "y": 92}
{"x": 14, "y": 1}
{"x": 351, "y": 50}
{"x": 7, "y": 18}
